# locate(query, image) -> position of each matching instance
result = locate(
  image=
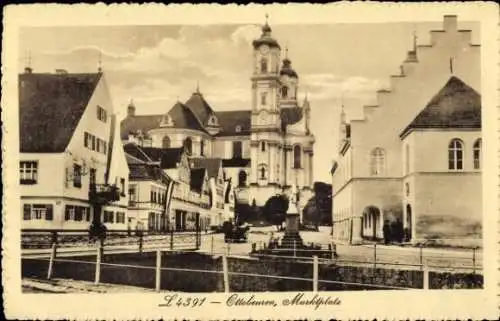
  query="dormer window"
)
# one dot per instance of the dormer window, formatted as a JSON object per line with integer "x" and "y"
{"x": 212, "y": 121}
{"x": 166, "y": 121}
{"x": 238, "y": 129}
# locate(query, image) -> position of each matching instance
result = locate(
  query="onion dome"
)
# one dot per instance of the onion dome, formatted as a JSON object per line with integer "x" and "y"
{"x": 287, "y": 69}
{"x": 266, "y": 38}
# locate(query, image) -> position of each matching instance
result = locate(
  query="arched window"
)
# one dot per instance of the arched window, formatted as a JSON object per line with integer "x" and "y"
{"x": 455, "y": 155}
{"x": 166, "y": 142}
{"x": 202, "y": 148}
{"x": 263, "y": 99}
{"x": 188, "y": 145}
{"x": 377, "y": 162}
{"x": 263, "y": 146}
{"x": 263, "y": 65}
{"x": 242, "y": 178}
{"x": 262, "y": 171}
{"x": 284, "y": 92}
{"x": 297, "y": 156}
{"x": 477, "y": 154}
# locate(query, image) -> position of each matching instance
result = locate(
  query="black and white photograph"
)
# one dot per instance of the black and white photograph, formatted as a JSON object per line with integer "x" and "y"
{"x": 272, "y": 163}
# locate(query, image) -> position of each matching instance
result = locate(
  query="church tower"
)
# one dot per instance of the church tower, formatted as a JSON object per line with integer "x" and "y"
{"x": 265, "y": 119}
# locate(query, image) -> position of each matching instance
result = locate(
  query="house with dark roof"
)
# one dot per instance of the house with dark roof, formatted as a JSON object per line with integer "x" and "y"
{"x": 73, "y": 169}
{"x": 150, "y": 192}
{"x": 265, "y": 147}
{"x": 413, "y": 161}
{"x": 182, "y": 201}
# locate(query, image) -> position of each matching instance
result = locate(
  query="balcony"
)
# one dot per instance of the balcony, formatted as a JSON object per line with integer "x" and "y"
{"x": 103, "y": 194}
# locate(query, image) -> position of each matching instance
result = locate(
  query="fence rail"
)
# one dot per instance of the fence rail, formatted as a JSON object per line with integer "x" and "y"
{"x": 225, "y": 272}
{"x": 36, "y": 240}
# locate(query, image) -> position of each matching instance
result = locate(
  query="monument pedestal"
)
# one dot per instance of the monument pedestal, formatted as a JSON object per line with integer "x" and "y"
{"x": 292, "y": 238}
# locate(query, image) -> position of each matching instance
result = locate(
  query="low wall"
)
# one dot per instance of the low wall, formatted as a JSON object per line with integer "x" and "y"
{"x": 194, "y": 281}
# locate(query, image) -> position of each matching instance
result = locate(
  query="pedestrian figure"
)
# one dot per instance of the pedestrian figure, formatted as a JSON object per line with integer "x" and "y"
{"x": 399, "y": 231}
{"x": 386, "y": 229}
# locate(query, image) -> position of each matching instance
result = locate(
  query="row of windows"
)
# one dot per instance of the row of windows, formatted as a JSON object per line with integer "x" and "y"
{"x": 188, "y": 145}
{"x": 76, "y": 213}
{"x": 109, "y": 217}
{"x": 94, "y": 143}
{"x": 157, "y": 195}
{"x": 455, "y": 157}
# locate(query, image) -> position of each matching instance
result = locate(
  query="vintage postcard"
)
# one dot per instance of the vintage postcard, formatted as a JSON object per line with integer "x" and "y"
{"x": 219, "y": 162}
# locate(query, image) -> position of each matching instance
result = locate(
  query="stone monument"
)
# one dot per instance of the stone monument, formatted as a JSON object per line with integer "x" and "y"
{"x": 292, "y": 238}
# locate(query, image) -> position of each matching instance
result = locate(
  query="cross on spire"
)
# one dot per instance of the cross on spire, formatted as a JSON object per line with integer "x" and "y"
{"x": 267, "y": 17}
{"x": 286, "y": 49}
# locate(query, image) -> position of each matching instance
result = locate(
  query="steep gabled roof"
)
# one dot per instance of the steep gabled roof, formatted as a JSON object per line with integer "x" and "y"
{"x": 50, "y": 108}
{"x": 456, "y": 105}
{"x": 212, "y": 165}
{"x": 183, "y": 117}
{"x": 132, "y": 160}
{"x": 197, "y": 178}
{"x": 199, "y": 107}
{"x": 230, "y": 120}
{"x": 148, "y": 172}
{"x": 144, "y": 123}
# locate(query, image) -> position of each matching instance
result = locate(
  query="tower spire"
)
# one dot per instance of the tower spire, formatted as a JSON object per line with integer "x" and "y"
{"x": 27, "y": 68}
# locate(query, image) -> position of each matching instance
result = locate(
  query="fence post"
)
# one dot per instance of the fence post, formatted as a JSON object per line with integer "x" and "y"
{"x": 226, "y": 273}
{"x": 171, "y": 240}
{"x": 375, "y": 256}
{"x": 294, "y": 248}
{"x": 51, "y": 261}
{"x": 315, "y": 273}
{"x": 473, "y": 261}
{"x": 421, "y": 257}
{"x": 333, "y": 250}
{"x": 426, "y": 278}
{"x": 158, "y": 270}
{"x": 212, "y": 245}
{"x": 98, "y": 265}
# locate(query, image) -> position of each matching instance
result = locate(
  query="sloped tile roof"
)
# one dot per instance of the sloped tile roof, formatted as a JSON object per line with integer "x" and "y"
{"x": 132, "y": 160}
{"x": 184, "y": 118}
{"x": 199, "y": 107}
{"x": 196, "y": 181}
{"x": 144, "y": 123}
{"x": 456, "y": 105}
{"x": 50, "y": 108}
{"x": 212, "y": 165}
{"x": 137, "y": 152}
{"x": 229, "y": 120}
{"x": 140, "y": 172}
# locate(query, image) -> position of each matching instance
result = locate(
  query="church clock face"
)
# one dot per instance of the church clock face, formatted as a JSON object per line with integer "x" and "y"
{"x": 264, "y": 50}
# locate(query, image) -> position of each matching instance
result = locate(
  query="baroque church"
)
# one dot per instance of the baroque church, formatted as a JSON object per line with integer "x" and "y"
{"x": 265, "y": 149}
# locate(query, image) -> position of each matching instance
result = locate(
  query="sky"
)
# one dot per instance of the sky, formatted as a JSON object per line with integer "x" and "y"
{"x": 158, "y": 65}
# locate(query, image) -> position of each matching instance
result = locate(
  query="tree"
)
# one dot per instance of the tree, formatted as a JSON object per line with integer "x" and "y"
{"x": 318, "y": 209}
{"x": 275, "y": 210}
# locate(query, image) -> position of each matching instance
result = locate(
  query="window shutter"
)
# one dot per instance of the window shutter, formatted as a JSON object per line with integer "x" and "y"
{"x": 27, "y": 212}
{"x": 66, "y": 213}
{"x": 49, "y": 214}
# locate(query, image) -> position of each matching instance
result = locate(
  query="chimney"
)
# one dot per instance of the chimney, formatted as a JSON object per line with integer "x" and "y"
{"x": 450, "y": 23}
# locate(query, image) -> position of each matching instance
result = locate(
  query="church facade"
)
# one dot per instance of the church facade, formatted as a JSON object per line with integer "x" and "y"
{"x": 415, "y": 156}
{"x": 265, "y": 149}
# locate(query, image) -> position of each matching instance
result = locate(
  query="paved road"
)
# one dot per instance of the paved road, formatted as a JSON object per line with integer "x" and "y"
{"x": 389, "y": 255}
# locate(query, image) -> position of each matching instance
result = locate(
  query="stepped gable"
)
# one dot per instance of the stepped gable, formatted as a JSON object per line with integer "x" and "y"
{"x": 199, "y": 107}
{"x": 456, "y": 105}
{"x": 290, "y": 116}
{"x": 50, "y": 108}
{"x": 230, "y": 120}
{"x": 212, "y": 165}
{"x": 143, "y": 123}
{"x": 197, "y": 178}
